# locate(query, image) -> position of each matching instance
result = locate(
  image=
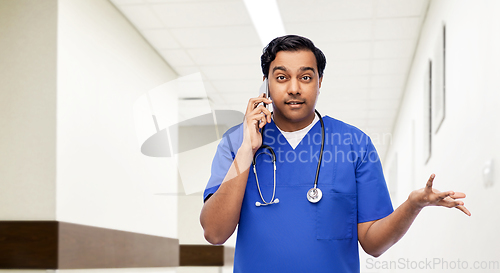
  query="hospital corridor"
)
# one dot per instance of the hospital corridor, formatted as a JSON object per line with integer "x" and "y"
{"x": 120, "y": 120}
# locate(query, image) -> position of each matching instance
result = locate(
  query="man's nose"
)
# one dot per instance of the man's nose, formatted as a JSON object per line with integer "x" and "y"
{"x": 294, "y": 87}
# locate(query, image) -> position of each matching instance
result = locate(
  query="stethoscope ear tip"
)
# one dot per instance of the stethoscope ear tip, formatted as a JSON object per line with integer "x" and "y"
{"x": 257, "y": 204}
{"x": 276, "y": 201}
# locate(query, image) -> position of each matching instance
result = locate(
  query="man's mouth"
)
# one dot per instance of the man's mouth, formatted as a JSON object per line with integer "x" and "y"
{"x": 294, "y": 102}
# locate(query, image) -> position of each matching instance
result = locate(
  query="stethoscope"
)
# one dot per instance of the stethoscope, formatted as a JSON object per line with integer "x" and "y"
{"x": 313, "y": 195}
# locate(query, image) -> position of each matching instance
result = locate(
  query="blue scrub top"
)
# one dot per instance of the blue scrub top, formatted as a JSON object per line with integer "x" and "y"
{"x": 296, "y": 235}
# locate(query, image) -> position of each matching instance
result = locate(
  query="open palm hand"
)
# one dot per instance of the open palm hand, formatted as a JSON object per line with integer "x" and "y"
{"x": 429, "y": 196}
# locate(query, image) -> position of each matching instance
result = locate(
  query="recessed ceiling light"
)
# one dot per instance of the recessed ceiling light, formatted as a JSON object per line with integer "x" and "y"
{"x": 266, "y": 18}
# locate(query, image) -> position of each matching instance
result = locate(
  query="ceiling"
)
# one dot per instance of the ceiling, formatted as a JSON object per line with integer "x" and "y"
{"x": 369, "y": 46}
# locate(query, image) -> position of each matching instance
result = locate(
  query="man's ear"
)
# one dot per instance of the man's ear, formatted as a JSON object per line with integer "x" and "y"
{"x": 320, "y": 80}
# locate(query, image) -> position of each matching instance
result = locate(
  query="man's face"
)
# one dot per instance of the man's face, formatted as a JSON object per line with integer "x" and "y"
{"x": 294, "y": 87}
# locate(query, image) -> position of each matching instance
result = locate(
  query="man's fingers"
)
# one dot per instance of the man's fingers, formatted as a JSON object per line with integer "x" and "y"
{"x": 262, "y": 109}
{"x": 464, "y": 209}
{"x": 261, "y": 113}
{"x": 428, "y": 186}
{"x": 254, "y": 102}
{"x": 263, "y": 120}
{"x": 449, "y": 202}
{"x": 443, "y": 195}
{"x": 458, "y": 195}
{"x": 259, "y": 116}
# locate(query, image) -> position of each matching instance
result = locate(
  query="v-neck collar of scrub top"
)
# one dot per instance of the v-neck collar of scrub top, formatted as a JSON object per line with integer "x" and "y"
{"x": 295, "y": 135}
{"x": 278, "y": 136}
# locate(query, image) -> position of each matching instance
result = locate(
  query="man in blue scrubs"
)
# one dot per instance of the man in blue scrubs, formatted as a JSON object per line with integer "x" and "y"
{"x": 295, "y": 235}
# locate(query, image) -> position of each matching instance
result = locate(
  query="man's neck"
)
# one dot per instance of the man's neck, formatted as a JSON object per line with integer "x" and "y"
{"x": 288, "y": 125}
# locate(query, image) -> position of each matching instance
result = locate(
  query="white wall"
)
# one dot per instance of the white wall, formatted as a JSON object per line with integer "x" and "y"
{"x": 190, "y": 205}
{"x": 103, "y": 180}
{"x": 71, "y": 71}
{"x": 467, "y": 138}
{"x": 28, "y": 32}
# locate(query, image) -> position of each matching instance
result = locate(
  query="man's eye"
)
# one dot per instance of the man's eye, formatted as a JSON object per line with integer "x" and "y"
{"x": 307, "y": 78}
{"x": 280, "y": 78}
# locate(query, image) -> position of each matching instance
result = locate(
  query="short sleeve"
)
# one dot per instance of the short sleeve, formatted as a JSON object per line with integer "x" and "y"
{"x": 226, "y": 151}
{"x": 374, "y": 201}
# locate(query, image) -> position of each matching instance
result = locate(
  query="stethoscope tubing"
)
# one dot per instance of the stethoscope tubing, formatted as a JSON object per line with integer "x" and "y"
{"x": 273, "y": 156}
{"x": 322, "y": 148}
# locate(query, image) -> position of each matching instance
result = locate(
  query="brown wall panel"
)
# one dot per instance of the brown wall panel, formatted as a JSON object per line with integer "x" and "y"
{"x": 201, "y": 255}
{"x": 92, "y": 247}
{"x": 59, "y": 245}
{"x": 28, "y": 244}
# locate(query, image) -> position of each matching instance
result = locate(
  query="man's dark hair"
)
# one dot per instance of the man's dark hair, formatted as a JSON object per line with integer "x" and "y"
{"x": 290, "y": 43}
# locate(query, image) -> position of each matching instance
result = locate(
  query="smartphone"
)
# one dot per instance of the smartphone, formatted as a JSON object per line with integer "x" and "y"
{"x": 264, "y": 88}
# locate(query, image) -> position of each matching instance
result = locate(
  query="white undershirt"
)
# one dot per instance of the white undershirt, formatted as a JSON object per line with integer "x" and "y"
{"x": 295, "y": 137}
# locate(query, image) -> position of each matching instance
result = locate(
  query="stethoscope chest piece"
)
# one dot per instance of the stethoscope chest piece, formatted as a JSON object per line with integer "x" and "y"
{"x": 314, "y": 195}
